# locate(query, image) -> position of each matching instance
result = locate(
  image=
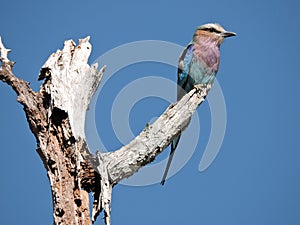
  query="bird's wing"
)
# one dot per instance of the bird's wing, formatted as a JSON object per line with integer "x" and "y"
{"x": 184, "y": 63}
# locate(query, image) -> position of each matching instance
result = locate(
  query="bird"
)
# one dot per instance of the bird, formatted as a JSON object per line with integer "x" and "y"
{"x": 198, "y": 64}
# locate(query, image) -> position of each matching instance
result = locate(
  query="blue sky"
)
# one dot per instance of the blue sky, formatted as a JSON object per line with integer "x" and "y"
{"x": 255, "y": 177}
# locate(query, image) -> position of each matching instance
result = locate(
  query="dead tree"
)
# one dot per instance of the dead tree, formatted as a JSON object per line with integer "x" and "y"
{"x": 56, "y": 116}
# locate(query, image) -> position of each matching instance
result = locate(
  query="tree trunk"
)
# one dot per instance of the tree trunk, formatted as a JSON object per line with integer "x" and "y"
{"x": 56, "y": 116}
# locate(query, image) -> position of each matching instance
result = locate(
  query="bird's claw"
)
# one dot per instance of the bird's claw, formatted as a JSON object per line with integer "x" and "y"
{"x": 200, "y": 87}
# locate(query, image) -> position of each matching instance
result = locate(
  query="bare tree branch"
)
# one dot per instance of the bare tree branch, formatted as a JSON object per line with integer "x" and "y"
{"x": 155, "y": 137}
{"x": 56, "y": 117}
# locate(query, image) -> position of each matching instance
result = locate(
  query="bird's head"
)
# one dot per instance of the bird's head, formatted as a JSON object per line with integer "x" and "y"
{"x": 212, "y": 31}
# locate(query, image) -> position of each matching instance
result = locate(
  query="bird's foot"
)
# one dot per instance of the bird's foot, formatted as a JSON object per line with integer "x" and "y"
{"x": 202, "y": 87}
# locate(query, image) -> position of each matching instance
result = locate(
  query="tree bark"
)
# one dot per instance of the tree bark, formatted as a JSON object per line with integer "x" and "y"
{"x": 56, "y": 116}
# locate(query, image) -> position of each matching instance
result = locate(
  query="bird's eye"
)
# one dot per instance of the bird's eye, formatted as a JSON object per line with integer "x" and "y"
{"x": 212, "y": 30}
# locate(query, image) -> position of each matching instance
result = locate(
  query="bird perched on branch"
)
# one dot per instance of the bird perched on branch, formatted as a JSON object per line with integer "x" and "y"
{"x": 198, "y": 64}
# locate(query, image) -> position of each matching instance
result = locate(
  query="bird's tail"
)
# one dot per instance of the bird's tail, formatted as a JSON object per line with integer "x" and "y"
{"x": 173, "y": 147}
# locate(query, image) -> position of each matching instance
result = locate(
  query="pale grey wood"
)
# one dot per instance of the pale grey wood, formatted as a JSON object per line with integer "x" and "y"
{"x": 155, "y": 137}
{"x": 71, "y": 82}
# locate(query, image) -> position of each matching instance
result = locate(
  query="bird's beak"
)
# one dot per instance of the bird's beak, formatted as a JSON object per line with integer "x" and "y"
{"x": 228, "y": 34}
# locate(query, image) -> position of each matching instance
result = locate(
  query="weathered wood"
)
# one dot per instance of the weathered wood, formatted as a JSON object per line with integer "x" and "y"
{"x": 59, "y": 146}
{"x": 155, "y": 137}
{"x": 56, "y": 117}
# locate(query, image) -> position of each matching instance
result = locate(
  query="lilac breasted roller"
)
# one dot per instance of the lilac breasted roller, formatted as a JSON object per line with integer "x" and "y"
{"x": 198, "y": 64}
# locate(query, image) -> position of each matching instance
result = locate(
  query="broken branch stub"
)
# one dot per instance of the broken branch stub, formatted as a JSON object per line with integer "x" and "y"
{"x": 73, "y": 81}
